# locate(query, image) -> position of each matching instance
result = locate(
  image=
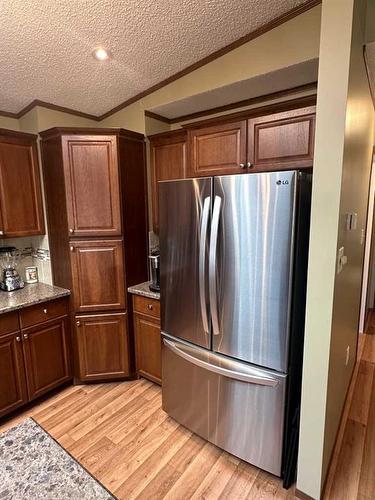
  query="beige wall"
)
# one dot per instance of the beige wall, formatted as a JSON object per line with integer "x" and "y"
{"x": 344, "y": 139}
{"x": 291, "y": 43}
{"x": 9, "y": 123}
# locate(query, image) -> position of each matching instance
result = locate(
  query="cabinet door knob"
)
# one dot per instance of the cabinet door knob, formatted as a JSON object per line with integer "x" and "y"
{"x": 71, "y": 248}
{"x": 78, "y": 323}
{"x": 25, "y": 336}
{"x": 1, "y": 233}
{"x": 249, "y": 164}
{"x": 242, "y": 165}
{"x": 18, "y": 339}
{"x": 149, "y": 306}
{"x": 71, "y": 230}
{"x": 45, "y": 311}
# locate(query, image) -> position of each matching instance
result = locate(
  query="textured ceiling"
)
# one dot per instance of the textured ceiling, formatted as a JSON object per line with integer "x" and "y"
{"x": 46, "y": 45}
{"x": 370, "y": 58}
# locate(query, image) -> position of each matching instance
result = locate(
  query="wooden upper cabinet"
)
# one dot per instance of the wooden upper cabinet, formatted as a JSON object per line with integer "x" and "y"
{"x": 21, "y": 206}
{"x": 282, "y": 140}
{"x": 217, "y": 150}
{"x": 13, "y": 391}
{"x": 102, "y": 346}
{"x": 168, "y": 161}
{"x": 98, "y": 275}
{"x": 92, "y": 185}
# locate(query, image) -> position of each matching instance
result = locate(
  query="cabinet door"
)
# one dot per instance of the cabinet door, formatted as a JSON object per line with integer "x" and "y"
{"x": 21, "y": 207}
{"x": 92, "y": 185}
{"x": 282, "y": 141}
{"x": 148, "y": 347}
{"x": 217, "y": 150}
{"x": 102, "y": 346}
{"x": 168, "y": 161}
{"x": 98, "y": 275}
{"x": 13, "y": 391}
{"x": 46, "y": 351}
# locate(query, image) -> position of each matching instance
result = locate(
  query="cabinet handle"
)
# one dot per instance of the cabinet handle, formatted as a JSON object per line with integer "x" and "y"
{"x": 249, "y": 164}
{"x": 25, "y": 336}
{"x": 149, "y": 306}
{"x": 71, "y": 230}
{"x": 71, "y": 248}
{"x": 1, "y": 233}
{"x": 78, "y": 323}
{"x": 242, "y": 165}
{"x": 45, "y": 311}
{"x": 18, "y": 339}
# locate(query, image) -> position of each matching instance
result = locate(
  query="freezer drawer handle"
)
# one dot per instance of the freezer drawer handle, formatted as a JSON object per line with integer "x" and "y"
{"x": 244, "y": 377}
{"x": 212, "y": 265}
{"x": 202, "y": 261}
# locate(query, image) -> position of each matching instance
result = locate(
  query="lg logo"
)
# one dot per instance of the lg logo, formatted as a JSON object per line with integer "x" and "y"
{"x": 283, "y": 183}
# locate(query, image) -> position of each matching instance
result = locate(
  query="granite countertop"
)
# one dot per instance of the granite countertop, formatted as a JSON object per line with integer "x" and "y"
{"x": 144, "y": 290}
{"x": 30, "y": 295}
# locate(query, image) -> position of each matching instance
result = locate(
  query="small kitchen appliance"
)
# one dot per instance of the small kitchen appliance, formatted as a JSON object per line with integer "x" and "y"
{"x": 10, "y": 278}
{"x": 154, "y": 258}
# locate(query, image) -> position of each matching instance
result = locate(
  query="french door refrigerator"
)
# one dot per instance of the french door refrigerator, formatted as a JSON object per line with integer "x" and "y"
{"x": 233, "y": 271}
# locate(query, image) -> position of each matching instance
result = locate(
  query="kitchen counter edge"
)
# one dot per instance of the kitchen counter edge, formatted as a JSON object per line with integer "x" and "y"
{"x": 30, "y": 295}
{"x": 143, "y": 290}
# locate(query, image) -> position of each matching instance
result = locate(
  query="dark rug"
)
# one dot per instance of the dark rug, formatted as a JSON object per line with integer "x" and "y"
{"x": 33, "y": 466}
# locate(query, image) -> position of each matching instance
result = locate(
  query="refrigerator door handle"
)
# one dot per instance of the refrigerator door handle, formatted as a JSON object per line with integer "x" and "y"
{"x": 245, "y": 376}
{"x": 202, "y": 261}
{"x": 212, "y": 265}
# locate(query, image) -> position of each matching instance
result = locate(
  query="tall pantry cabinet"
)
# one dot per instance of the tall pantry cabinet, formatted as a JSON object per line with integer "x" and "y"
{"x": 95, "y": 183}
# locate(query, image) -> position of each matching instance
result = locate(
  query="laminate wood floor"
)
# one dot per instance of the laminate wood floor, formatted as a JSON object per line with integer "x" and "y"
{"x": 119, "y": 432}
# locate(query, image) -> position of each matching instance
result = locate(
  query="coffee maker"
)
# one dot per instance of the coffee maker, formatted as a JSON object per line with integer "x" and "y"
{"x": 154, "y": 259}
{"x": 10, "y": 279}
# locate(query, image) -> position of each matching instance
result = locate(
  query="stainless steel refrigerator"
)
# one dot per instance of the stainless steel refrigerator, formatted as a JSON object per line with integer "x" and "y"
{"x": 233, "y": 272}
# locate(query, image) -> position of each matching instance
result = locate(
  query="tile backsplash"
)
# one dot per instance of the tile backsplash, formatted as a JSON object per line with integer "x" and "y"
{"x": 32, "y": 255}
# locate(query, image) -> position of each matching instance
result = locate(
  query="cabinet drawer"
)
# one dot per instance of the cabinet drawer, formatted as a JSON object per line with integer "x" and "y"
{"x": 9, "y": 323}
{"x": 144, "y": 305}
{"x": 43, "y": 312}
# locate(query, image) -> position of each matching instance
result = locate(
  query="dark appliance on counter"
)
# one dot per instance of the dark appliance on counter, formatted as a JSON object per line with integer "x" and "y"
{"x": 234, "y": 262}
{"x": 10, "y": 278}
{"x": 154, "y": 258}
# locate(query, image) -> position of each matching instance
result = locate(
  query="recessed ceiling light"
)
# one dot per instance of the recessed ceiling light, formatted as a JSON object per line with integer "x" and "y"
{"x": 101, "y": 54}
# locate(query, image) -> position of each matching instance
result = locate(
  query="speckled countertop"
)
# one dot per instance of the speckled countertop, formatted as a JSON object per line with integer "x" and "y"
{"x": 30, "y": 295}
{"x": 144, "y": 290}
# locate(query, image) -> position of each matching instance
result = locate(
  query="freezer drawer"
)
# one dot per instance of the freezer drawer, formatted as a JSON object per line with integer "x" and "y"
{"x": 234, "y": 405}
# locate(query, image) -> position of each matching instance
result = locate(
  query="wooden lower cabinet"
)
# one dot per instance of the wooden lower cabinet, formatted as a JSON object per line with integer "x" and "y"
{"x": 13, "y": 389}
{"x": 102, "y": 346}
{"x": 47, "y": 360}
{"x": 147, "y": 338}
{"x": 33, "y": 359}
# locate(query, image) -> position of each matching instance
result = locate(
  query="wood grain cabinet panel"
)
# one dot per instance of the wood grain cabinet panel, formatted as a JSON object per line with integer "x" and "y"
{"x": 92, "y": 185}
{"x": 13, "y": 392}
{"x": 98, "y": 275}
{"x": 217, "y": 150}
{"x": 168, "y": 162}
{"x": 282, "y": 141}
{"x": 148, "y": 347}
{"x": 102, "y": 346}
{"x": 21, "y": 206}
{"x": 46, "y": 352}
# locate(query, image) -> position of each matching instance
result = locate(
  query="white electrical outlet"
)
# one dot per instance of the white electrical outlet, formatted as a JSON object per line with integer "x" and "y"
{"x": 347, "y": 356}
{"x": 341, "y": 260}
